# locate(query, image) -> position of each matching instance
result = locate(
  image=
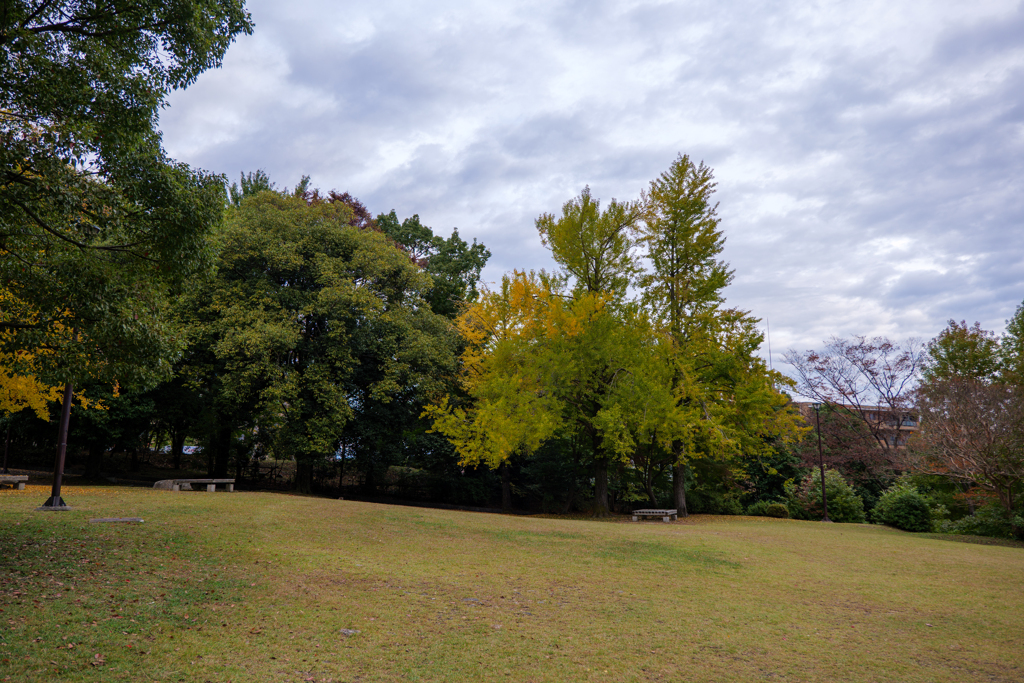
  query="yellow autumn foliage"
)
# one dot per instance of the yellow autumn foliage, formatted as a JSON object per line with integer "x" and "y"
{"x": 510, "y": 410}
{"x": 19, "y": 387}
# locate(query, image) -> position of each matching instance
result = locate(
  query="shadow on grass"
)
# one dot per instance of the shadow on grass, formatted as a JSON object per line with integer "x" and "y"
{"x": 977, "y": 540}
{"x": 635, "y": 551}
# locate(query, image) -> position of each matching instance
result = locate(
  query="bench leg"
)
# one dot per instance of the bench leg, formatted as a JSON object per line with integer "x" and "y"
{"x": 675, "y": 518}
{"x": 176, "y": 487}
{"x": 21, "y": 486}
{"x": 635, "y": 518}
{"x": 210, "y": 488}
{"x": 666, "y": 519}
{"x": 231, "y": 487}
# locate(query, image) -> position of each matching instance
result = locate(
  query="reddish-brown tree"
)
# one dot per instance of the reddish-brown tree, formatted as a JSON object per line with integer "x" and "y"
{"x": 868, "y": 386}
{"x": 973, "y": 430}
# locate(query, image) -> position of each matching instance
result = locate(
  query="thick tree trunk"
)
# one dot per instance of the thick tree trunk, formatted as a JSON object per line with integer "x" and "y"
{"x": 650, "y": 492}
{"x": 601, "y": 487}
{"x": 94, "y": 461}
{"x": 506, "y": 487}
{"x": 679, "y": 488}
{"x": 7, "y": 444}
{"x": 303, "y": 475}
{"x": 222, "y": 453}
{"x": 572, "y": 484}
{"x": 177, "y": 447}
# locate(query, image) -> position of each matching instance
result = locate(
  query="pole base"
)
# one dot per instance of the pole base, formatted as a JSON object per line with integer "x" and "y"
{"x": 54, "y": 503}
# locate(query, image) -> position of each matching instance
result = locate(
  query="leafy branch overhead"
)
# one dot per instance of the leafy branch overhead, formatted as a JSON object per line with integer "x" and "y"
{"x": 96, "y": 224}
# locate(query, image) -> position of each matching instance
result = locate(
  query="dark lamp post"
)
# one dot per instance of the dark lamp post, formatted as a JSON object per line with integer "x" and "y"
{"x": 821, "y": 461}
{"x": 55, "y": 502}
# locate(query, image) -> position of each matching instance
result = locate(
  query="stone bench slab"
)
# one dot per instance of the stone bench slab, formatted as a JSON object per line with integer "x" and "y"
{"x": 14, "y": 479}
{"x": 666, "y": 515}
{"x": 186, "y": 484}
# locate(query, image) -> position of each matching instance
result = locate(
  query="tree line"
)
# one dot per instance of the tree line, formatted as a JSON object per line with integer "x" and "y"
{"x": 241, "y": 329}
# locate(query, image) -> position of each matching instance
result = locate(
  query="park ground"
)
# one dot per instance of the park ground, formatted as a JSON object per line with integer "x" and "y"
{"x": 271, "y": 587}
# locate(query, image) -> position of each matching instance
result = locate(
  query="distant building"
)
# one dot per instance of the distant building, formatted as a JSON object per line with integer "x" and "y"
{"x": 890, "y": 428}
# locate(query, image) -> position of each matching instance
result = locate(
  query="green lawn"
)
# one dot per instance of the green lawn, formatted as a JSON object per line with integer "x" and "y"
{"x": 269, "y": 587}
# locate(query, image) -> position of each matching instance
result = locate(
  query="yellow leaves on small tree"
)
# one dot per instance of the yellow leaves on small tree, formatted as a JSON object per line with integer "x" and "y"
{"x": 19, "y": 386}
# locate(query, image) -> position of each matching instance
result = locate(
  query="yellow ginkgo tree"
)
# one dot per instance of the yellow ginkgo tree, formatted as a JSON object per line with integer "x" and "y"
{"x": 508, "y": 410}
{"x": 20, "y": 386}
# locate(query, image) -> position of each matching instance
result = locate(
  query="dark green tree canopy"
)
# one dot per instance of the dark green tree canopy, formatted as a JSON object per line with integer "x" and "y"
{"x": 453, "y": 264}
{"x": 314, "y": 326}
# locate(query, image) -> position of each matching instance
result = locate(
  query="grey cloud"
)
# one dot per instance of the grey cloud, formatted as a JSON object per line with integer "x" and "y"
{"x": 828, "y": 131}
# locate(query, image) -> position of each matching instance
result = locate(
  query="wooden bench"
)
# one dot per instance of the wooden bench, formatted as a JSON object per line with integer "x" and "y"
{"x": 186, "y": 484}
{"x": 13, "y": 479}
{"x": 666, "y": 515}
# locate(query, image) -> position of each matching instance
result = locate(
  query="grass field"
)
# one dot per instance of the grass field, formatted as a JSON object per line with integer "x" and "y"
{"x": 269, "y": 587}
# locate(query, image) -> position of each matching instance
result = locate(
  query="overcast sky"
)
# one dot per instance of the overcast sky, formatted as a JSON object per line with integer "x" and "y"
{"x": 869, "y": 155}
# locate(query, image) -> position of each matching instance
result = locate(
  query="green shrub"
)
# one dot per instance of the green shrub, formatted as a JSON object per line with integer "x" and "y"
{"x": 903, "y": 506}
{"x": 759, "y": 509}
{"x": 989, "y": 520}
{"x": 804, "y": 499}
{"x": 908, "y": 511}
{"x": 768, "y": 508}
{"x": 706, "y": 501}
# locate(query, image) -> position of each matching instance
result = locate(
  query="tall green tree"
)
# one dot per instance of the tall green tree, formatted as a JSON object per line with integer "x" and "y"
{"x": 318, "y": 327}
{"x": 683, "y": 242}
{"x": 595, "y": 250}
{"x": 725, "y": 397}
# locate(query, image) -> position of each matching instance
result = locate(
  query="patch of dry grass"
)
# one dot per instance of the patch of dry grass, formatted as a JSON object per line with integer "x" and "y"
{"x": 264, "y": 587}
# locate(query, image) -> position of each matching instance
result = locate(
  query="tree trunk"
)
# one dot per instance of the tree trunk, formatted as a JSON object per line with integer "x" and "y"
{"x": 304, "y": 475}
{"x": 369, "y": 481}
{"x": 341, "y": 469}
{"x": 506, "y": 487}
{"x": 679, "y": 488}
{"x": 7, "y": 444}
{"x": 649, "y": 478}
{"x": 601, "y": 487}
{"x": 94, "y": 461}
{"x": 575, "y": 476}
{"x": 177, "y": 447}
{"x": 134, "y": 467}
{"x": 222, "y": 453}
{"x": 650, "y": 492}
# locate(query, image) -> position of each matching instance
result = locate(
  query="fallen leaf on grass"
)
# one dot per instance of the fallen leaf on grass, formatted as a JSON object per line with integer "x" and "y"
{"x": 98, "y": 660}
